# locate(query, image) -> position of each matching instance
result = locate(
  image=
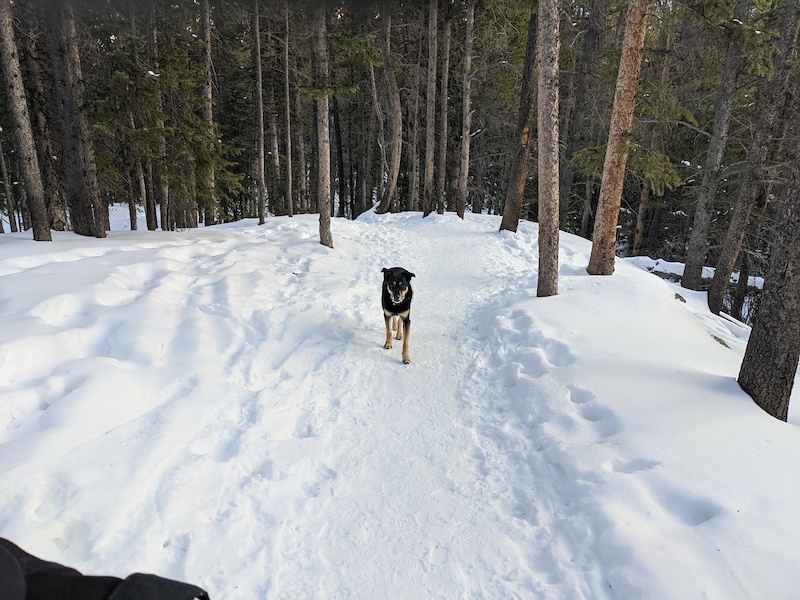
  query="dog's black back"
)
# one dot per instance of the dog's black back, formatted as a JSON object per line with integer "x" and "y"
{"x": 397, "y": 293}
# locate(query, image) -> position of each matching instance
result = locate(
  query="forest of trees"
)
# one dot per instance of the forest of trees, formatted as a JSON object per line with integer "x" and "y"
{"x": 214, "y": 110}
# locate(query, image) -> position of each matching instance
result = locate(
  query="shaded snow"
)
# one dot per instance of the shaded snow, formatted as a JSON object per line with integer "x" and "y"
{"x": 216, "y": 406}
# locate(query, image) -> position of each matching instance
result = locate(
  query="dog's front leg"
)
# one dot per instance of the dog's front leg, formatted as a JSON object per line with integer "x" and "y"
{"x": 397, "y": 321}
{"x": 388, "y": 320}
{"x": 406, "y": 335}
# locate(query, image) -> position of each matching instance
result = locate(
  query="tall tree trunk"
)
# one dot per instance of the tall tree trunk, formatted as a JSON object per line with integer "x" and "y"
{"x": 54, "y": 194}
{"x": 601, "y": 261}
{"x": 160, "y": 167}
{"x": 770, "y": 360}
{"x": 526, "y": 122}
{"x": 381, "y": 137}
{"x": 288, "y": 115}
{"x": 577, "y": 112}
{"x": 430, "y": 109}
{"x": 323, "y": 130}
{"x": 207, "y": 112}
{"x": 466, "y": 111}
{"x": 548, "y": 43}
{"x": 337, "y": 133}
{"x": 394, "y": 116}
{"x": 301, "y": 161}
{"x": 443, "y": 106}
{"x": 771, "y": 96}
{"x": 23, "y": 131}
{"x": 260, "y": 183}
{"x": 413, "y": 150}
{"x": 698, "y": 239}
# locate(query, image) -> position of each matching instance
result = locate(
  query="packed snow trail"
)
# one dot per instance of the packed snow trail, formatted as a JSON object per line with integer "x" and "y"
{"x": 216, "y": 406}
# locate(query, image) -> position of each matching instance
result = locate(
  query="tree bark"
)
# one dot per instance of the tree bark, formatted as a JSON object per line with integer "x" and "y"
{"x": 207, "y": 112}
{"x": 323, "y": 130}
{"x": 466, "y": 111}
{"x": 697, "y": 245}
{"x": 12, "y": 218}
{"x": 394, "y": 116}
{"x": 577, "y": 112}
{"x": 288, "y": 116}
{"x": 601, "y": 261}
{"x": 526, "y": 124}
{"x": 430, "y": 109}
{"x": 548, "y": 47}
{"x": 23, "y": 131}
{"x": 644, "y": 206}
{"x": 772, "y": 96}
{"x": 770, "y": 360}
{"x": 443, "y": 105}
{"x": 260, "y": 183}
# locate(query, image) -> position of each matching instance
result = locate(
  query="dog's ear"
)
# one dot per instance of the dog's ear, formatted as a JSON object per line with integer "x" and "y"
{"x": 384, "y": 270}
{"x": 410, "y": 274}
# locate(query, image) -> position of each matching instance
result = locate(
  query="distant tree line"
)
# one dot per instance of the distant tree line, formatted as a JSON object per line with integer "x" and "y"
{"x": 214, "y": 110}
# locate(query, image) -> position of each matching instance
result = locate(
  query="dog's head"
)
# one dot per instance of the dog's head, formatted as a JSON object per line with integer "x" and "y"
{"x": 397, "y": 283}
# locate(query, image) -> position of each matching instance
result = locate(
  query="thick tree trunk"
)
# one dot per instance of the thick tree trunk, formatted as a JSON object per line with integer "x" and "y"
{"x": 770, "y": 361}
{"x": 323, "y": 130}
{"x": 430, "y": 109}
{"x": 772, "y": 96}
{"x": 23, "y": 132}
{"x": 548, "y": 47}
{"x": 394, "y": 116}
{"x": 53, "y": 192}
{"x": 443, "y": 106}
{"x": 601, "y": 261}
{"x": 466, "y": 111}
{"x": 260, "y": 183}
{"x": 526, "y": 121}
{"x": 701, "y": 225}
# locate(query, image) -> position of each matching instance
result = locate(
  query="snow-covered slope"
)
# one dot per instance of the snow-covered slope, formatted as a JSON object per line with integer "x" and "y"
{"x": 216, "y": 406}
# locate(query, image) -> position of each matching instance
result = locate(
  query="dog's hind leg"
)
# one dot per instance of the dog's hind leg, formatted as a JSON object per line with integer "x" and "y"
{"x": 388, "y": 320}
{"x": 406, "y": 335}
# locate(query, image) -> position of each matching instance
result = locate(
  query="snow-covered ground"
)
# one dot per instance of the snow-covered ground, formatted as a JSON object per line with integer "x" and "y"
{"x": 216, "y": 406}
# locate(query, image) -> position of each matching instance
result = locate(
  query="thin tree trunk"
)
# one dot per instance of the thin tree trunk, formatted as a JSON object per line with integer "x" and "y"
{"x": 301, "y": 161}
{"x": 548, "y": 47}
{"x": 577, "y": 113}
{"x": 394, "y": 116}
{"x": 337, "y": 133}
{"x": 12, "y": 219}
{"x": 697, "y": 245}
{"x": 644, "y": 206}
{"x": 207, "y": 112}
{"x": 601, "y": 261}
{"x": 443, "y": 106}
{"x": 466, "y": 111}
{"x": 288, "y": 115}
{"x": 260, "y": 183}
{"x": 773, "y": 350}
{"x": 413, "y": 150}
{"x": 160, "y": 168}
{"x": 771, "y": 96}
{"x": 526, "y": 124}
{"x": 381, "y": 137}
{"x": 430, "y": 115}
{"x": 323, "y": 130}
{"x": 23, "y": 131}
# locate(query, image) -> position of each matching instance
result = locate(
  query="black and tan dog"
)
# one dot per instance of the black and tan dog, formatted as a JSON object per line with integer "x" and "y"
{"x": 396, "y": 302}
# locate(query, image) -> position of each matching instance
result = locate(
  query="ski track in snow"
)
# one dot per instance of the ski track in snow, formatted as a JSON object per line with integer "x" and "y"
{"x": 432, "y": 473}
